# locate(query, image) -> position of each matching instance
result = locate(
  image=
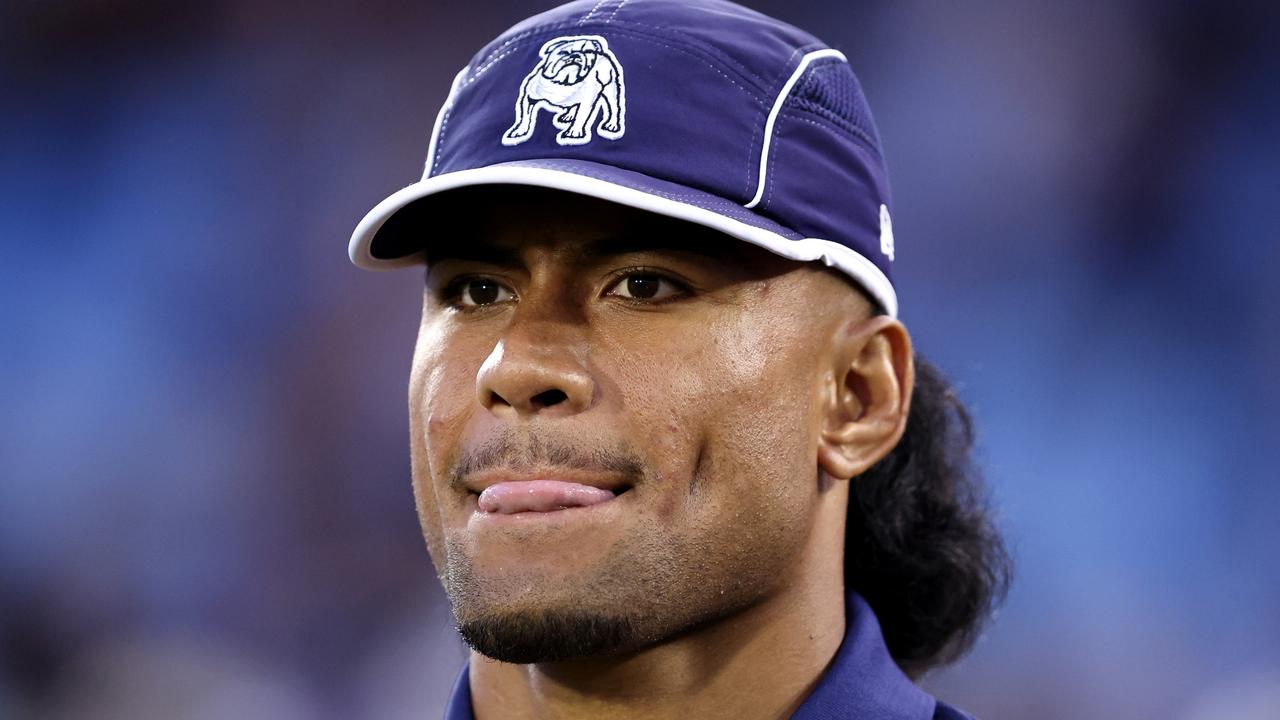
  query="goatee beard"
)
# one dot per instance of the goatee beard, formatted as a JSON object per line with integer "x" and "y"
{"x": 547, "y": 635}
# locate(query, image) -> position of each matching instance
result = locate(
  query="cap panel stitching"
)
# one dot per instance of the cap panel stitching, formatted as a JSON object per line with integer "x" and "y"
{"x": 434, "y": 146}
{"x": 796, "y": 113}
{"x": 586, "y": 18}
{"x": 687, "y": 51}
{"x": 757, "y": 129}
{"x": 444, "y": 126}
{"x": 669, "y": 32}
{"x": 550, "y": 27}
{"x": 481, "y": 70}
{"x": 616, "y": 8}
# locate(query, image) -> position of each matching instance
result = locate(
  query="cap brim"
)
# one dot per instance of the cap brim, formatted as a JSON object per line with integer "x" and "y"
{"x": 374, "y": 247}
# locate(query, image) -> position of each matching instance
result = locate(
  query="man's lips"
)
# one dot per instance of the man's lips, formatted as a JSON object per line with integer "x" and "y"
{"x": 518, "y": 496}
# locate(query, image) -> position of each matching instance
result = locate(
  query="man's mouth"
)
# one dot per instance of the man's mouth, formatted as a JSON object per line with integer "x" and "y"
{"x": 540, "y": 496}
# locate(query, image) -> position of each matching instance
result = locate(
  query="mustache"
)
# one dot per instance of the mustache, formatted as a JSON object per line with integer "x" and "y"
{"x": 510, "y": 452}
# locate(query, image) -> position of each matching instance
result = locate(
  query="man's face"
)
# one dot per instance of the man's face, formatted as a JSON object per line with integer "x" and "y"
{"x": 567, "y": 339}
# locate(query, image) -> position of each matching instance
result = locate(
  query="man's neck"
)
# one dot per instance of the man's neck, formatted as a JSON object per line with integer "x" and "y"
{"x": 759, "y": 663}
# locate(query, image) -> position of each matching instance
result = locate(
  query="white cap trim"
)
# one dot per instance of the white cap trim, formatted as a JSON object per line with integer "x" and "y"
{"x": 830, "y": 253}
{"x": 777, "y": 108}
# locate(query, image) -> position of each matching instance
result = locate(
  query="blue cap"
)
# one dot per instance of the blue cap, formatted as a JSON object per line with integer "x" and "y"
{"x": 703, "y": 111}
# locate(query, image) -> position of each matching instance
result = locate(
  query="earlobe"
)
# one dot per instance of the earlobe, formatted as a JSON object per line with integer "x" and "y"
{"x": 866, "y": 398}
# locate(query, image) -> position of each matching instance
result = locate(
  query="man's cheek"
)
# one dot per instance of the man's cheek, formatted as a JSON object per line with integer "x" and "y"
{"x": 671, "y": 422}
{"x": 429, "y": 518}
{"x": 441, "y": 396}
{"x": 442, "y": 404}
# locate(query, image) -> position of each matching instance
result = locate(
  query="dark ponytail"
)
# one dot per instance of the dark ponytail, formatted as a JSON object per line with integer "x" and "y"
{"x": 920, "y": 545}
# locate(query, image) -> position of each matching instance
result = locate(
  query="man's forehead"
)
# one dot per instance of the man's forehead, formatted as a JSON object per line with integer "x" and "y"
{"x": 585, "y": 248}
{"x": 505, "y": 226}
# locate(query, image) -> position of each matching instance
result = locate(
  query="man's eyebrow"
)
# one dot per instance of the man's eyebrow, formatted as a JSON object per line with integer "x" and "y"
{"x": 475, "y": 251}
{"x": 638, "y": 241}
{"x": 628, "y": 242}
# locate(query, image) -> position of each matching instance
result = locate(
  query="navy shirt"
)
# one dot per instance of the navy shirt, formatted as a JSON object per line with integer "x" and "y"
{"x": 862, "y": 682}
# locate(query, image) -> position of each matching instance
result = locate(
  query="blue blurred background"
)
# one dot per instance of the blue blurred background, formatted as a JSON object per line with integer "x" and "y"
{"x": 204, "y": 499}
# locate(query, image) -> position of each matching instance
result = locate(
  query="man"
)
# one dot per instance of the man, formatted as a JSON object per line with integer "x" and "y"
{"x": 673, "y": 454}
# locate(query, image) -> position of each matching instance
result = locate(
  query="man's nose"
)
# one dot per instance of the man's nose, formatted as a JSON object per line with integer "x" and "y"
{"x": 534, "y": 370}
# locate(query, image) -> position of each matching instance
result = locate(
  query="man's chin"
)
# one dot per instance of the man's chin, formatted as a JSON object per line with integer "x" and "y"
{"x": 544, "y": 636}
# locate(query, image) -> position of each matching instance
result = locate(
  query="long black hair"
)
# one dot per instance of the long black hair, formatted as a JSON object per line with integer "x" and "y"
{"x": 920, "y": 544}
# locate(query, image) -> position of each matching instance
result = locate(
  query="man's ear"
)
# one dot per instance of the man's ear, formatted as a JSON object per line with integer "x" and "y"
{"x": 867, "y": 396}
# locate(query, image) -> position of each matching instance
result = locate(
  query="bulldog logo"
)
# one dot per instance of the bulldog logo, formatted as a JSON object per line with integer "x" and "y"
{"x": 580, "y": 81}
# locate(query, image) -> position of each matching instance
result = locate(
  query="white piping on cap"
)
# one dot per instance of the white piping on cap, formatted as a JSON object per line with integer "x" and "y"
{"x": 435, "y": 130}
{"x": 777, "y": 107}
{"x": 832, "y": 254}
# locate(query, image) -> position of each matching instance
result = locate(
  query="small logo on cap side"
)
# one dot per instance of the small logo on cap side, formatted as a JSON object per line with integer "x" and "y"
{"x": 579, "y": 80}
{"x": 886, "y": 232}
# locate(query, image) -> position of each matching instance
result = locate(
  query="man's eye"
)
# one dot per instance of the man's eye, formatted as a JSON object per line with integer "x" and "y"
{"x": 645, "y": 286}
{"x": 479, "y": 291}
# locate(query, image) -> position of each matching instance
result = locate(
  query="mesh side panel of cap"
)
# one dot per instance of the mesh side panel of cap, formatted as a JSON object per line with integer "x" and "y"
{"x": 832, "y": 91}
{"x": 827, "y": 177}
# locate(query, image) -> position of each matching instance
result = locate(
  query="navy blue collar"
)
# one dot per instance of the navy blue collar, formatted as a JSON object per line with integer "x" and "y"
{"x": 861, "y": 682}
